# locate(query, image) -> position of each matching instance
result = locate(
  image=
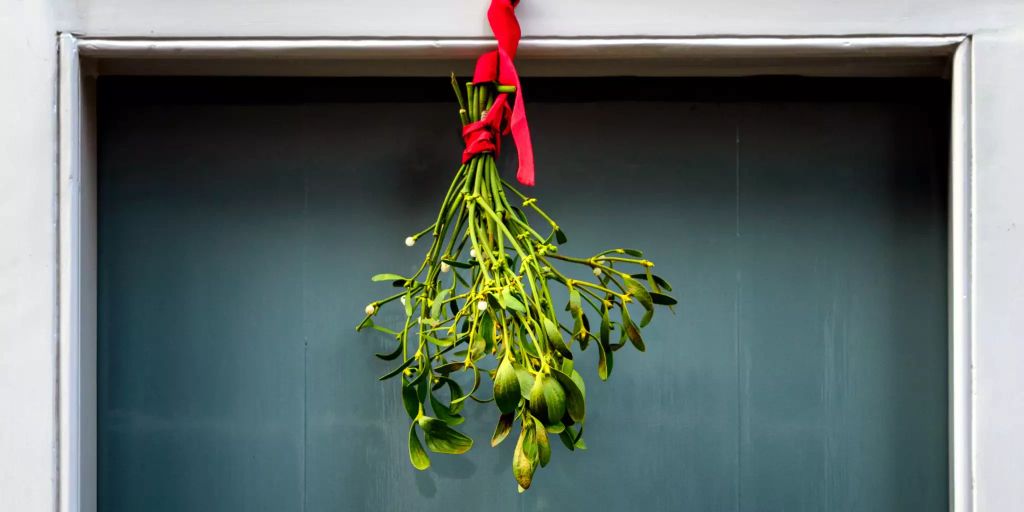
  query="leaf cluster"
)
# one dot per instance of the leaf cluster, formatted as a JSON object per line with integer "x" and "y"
{"x": 480, "y": 308}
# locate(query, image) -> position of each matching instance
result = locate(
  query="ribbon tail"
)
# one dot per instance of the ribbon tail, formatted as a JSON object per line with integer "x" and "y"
{"x": 517, "y": 123}
{"x": 521, "y": 134}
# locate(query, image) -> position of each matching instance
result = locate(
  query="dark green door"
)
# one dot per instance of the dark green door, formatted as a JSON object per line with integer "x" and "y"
{"x": 802, "y": 222}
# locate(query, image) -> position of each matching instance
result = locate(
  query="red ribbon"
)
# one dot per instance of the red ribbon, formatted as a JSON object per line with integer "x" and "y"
{"x": 496, "y": 66}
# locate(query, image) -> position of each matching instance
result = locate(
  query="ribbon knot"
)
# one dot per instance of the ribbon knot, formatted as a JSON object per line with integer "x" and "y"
{"x": 496, "y": 66}
{"x": 484, "y": 136}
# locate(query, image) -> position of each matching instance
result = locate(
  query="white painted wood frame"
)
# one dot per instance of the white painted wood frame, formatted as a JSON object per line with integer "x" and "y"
{"x": 81, "y": 58}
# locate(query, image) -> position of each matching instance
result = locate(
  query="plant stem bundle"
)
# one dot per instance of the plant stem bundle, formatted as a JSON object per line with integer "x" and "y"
{"x": 480, "y": 305}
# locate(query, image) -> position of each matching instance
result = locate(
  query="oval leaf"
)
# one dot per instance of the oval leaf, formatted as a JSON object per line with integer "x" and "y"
{"x": 435, "y": 306}
{"x": 525, "y": 382}
{"x": 554, "y": 337}
{"x": 575, "y": 404}
{"x": 560, "y": 236}
{"x": 398, "y": 370}
{"x": 523, "y": 457}
{"x": 604, "y": 360}
{"x": 511, "y": 302}
{"x": 388, "y": 277}
{"x": 417, "y": 455}
{"x": 392, "y": 355}
{"x": 456, "y": 263}
{"x": 543, "y": 448}
{"x": 631, "y": 330}
{"x": 557, "y": 428}
{"x": 410, "y": 400}
{"x": 506, "y": 387}
{"x": 547, "y": 400}
{"x": 441, "y": 438}
{"x": 566, "y": 437}
{"x": 445, "y": 369}
{"x": 575, "y": 303}
{"x": 502, "y": 429}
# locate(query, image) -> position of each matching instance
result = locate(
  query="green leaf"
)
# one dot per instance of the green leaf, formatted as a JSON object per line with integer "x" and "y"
{"x": 632, "y": 331}
{"x": 421, "y": 384}
{"x": 393, "y": 355}
{"x": 567, "y": 439}
{"x": 398, "y": 370}
{"x": 547, "y": 400}
{"x": 456, "y": 263}
{"x": 410, "y": 400}
{"x": 441, "y": 438}
{"x": 574, "y": 303}
{"x": 367, "y": 322}
{"x": 524, "y": 459}
{"x": 506, "y": 387}
{"x": 511, "y": 302}
{"x": 543, "y": 448}
{"x": 486, "y": 333}
{"x": 554, "y": 337}
{"x": 525, "y": 381}
{"x": 575, "y": 404}
{"x": 567, "y": 366}
{"x": 417, "y": 455}
{"x": 662, "y": 299}
{"x": 435, "y": 307}
{"x": 660, "y": 282}
{"x": 556, "y": 428}
{"x": 648, "y": 315}
{"x": 578, "y": 380}
{"x": 388, "y": 277}
{"x": 441, "y": 342}
{"x": 454, "y": 391}
{"x": 445, "y": 369}
{"x": 408, "y": 303}
{"x": 502, "y": 429}
{"x": 636, "y": 253}
{"x": 560, "y": 236}
{"x": 604, "y": 360}
{"x": 444, "y": 413}
{"x": 495, "y": 302}
{"x": 634, "y": 288}
{"x": 580, "y": 445}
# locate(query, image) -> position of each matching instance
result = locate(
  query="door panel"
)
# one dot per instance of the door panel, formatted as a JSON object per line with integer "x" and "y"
{"x": 802, "y": 222}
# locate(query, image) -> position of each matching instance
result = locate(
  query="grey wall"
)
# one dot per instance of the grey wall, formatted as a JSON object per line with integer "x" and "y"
{"x": 804, "y": 370}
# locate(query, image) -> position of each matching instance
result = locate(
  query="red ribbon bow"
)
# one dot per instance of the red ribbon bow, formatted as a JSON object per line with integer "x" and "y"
{"x": 496, "y": 66}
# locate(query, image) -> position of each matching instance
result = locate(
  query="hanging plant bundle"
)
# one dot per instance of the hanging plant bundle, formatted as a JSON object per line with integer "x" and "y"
{"x": 479, "y": 310}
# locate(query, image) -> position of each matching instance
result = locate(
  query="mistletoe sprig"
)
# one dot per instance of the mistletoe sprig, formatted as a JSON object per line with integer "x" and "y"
{"x": 481, "y": 303}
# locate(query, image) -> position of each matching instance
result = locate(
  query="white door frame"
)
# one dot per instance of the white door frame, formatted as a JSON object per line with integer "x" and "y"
{"x": 81, "y": 58}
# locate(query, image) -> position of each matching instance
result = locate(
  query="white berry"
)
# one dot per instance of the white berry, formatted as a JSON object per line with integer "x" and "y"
{"x": 472, "y": 253}
{"x": 370, "y": 309}
{"x": 402, "y": 298}
{"x": 482, "y": 305}
{"x": 597, "y": 272}
{"x": 410, "y": 241}
{"x": 445, "y": 267}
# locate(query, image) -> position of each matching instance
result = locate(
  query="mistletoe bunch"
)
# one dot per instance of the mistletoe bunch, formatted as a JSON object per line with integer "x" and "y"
{"x": 481, "y": 304}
